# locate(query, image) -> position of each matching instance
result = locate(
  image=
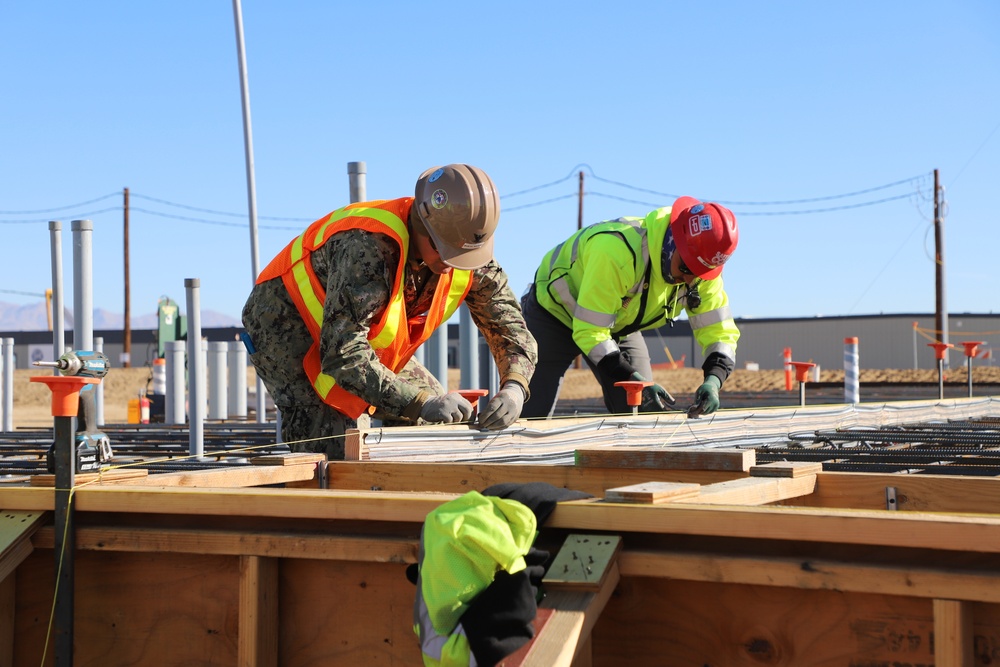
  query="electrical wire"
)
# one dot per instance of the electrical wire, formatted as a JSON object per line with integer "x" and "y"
{"x": 60, "y": 208}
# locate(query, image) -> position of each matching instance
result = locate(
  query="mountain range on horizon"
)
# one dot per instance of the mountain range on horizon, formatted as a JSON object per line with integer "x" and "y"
{"x": 33, "y": 317}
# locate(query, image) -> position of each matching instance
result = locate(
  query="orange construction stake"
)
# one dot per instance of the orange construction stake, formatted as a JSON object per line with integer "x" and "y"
{"x": 633, "y": 392}
{"x": 65, "y": 392}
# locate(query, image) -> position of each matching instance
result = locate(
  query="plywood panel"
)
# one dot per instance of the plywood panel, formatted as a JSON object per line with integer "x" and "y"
{"x": 346, "y": 614}
{"x": 142, "y": 610}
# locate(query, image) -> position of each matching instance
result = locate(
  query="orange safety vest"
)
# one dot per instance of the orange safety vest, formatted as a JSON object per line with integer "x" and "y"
{"x": 396, "y": 336}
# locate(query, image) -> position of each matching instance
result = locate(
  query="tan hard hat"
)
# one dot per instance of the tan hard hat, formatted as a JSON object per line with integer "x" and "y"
{"x": 459, "y": 208}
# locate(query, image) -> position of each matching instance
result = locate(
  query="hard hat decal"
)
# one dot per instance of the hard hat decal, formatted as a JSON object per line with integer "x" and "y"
{"x": 439, "y": 198}
{"x": 698, "y": 208}
{"x": 472, "y": 246}
{"x": 698, "y": 224}
{"x": 436, "y": 175}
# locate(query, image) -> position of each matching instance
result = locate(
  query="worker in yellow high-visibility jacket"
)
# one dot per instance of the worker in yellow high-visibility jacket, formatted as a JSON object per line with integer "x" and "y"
{"x": 598, "y": 290}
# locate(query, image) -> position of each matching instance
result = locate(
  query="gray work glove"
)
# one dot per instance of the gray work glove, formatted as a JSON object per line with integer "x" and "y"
{"x": 446, "y": 409}
{"x": 706, "y": 399}
{"x": 503, "y": 409}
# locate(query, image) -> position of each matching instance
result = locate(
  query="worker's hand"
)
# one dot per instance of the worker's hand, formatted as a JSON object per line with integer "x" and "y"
{"x": 446, "y": 409}
{"x": 503, "y": 409}
{"x": 656, "y": 399}
{"x": 706, "y": 399}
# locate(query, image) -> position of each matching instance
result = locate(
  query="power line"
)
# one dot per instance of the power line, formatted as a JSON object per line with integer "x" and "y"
{"x": 75, "y": 216}
{"x": 60, "y": 208}
{"x": 213, "y": 212}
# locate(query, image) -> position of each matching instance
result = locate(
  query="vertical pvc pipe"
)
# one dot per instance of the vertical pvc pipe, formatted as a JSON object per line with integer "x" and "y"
{"x": 196, "y": 401}
{"x": 237, "y": 380}
{"x": 915, "y": 364}
{"x": 852, "y": 384}
{"x": 58, "y": 314}
{"x": 8, "y": 384}
{"x": 99, "y": 389}
{"x": 174, "y": 409}
{"x": 437, "y": 355}
{"x": 218, "y": 399}
{"x": 968, "y": 366}
{"x": 940, "y": 367}
{"x": 357, "y": 173}
{"x": 468, "y": 350}
{"x": 83, "y": 285}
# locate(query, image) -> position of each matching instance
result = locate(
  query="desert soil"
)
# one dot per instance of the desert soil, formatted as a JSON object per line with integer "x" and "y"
{"x": 32, "y": 400}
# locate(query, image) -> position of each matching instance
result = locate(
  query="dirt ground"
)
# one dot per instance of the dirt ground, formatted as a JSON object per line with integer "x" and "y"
{"x": 32, "y": 400}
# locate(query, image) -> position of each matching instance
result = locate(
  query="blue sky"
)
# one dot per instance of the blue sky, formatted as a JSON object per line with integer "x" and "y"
{"x": 730, "y": 101}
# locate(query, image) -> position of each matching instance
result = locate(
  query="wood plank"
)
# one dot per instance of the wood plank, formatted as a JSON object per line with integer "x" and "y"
{"x": 652, "y": 492}
{"x": 461, "y": 477}
{"x": 920, "y": 493}
{"x": 809, "y": 573}
{"x": 753, "y": 491}
{"x": 237, "y": 543}
{"x": 235, "y": 477}
{"x": 291, "y": 459}
{"x": 677, "y": 459}
{"x": 258, "y": 615}
{"x": 953, "y": 640}
{"x": 7, "y": 616}
{"x": 109, "y": 476}
{"x": 786, "y": 469}
{"x": 573, "y": 618}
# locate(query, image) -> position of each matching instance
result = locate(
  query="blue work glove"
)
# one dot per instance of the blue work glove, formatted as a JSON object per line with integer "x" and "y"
{"x": 446, "y": 409}
{"x": 706, "y": 399}
{"x": 654, "y": 398}
{"x": 503, "y": 409}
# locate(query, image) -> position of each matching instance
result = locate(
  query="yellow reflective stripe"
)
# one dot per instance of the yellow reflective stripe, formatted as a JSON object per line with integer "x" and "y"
{"x": 324, "y": 384}
{"x": 388, "y": 332}
{"x": 385, "y": 217}
{"x": 459, "y": 283}
{"x": 306, "y": 291}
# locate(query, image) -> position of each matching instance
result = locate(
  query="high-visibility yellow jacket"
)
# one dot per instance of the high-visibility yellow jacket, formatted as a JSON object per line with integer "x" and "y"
{"x": 463, "y": 544}
{"x": 396, "y": 335}
{"x": 605, "y": 282}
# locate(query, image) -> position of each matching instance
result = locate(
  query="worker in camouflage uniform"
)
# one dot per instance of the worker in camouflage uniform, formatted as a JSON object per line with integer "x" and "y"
{"x": 334, "y": 320}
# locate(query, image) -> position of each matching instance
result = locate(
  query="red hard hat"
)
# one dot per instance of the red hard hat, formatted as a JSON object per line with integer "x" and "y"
{"x": 706, "y": 235}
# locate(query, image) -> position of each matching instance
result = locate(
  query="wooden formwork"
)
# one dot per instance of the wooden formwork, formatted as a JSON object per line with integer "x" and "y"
{"x": 723, "y": 563}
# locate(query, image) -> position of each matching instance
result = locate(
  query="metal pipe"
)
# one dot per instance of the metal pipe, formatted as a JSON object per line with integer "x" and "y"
{"x": 437, "y": 355}
{"x": 468, "y": 348}
{"x": 83, "y": 284}
{"x": 58, "y": 314}
{"x": 251, "y": 181}
{"x": 8, "y": 384}
{"x": 940, "y": 369}
{"x": 802, "y": 393}
{"x": 64, "y": 433}
{"x": 968, "y": 366}
{"x": 218, "y": 407}
{"x": 196, "y": 400}
{"x": 852, "y": 385}
{"x": 237, "y": 380}
{"x": 173, "y": 353}
{"x": 356, "y": 172}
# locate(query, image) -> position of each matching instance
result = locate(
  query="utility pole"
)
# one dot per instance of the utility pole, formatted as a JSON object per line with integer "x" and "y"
{"x": 127, "y": 333}
{"x": 941, "y": 312}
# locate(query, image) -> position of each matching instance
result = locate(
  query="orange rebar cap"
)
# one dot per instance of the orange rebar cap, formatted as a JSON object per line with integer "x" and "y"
{"x": 971, "y": 347}
{"x": 802, "y": 369}
{"x": 65, "y": 392}
{"x": 939, "y": 349}
{"x": 633, "y": 390}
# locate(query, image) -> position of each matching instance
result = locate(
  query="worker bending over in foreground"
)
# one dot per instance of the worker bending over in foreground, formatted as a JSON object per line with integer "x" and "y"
{"x": 595, "y": 293}
{"x": 334, "y": 319}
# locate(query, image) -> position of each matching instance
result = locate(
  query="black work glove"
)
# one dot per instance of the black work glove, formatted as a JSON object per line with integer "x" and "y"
{"x": 498, "y": 620}
{"x": 615, "y": 367}
{"x": 654, "y": 398}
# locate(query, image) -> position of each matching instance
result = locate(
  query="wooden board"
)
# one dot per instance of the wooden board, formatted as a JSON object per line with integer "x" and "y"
{"x": 677, "y": 459}
{"x": 293, "y": 459}
{"x": 786, "y": 469}
{"x": 110, "y": 476}
{"x": 652, "y": 492}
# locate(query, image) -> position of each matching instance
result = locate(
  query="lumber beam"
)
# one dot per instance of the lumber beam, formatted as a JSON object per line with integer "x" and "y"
{"x": 754, "y": 491}
{"x": 258, "y": 615}
{"x": 235, "y": 477}
{"x": 734, "y": 460}
{"x": 926, "y": 581}
{"x": 953, "y": 640}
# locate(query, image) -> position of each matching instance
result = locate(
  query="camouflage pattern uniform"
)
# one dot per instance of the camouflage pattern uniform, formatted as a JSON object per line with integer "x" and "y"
{"x": 358, "y": 269}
